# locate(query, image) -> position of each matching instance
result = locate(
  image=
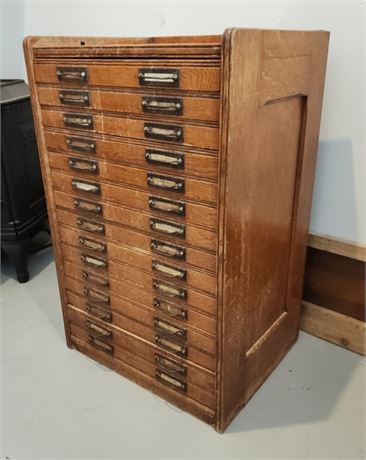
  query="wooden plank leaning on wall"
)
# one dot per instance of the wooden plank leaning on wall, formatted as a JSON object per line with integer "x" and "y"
{"x": 334, "y": 292}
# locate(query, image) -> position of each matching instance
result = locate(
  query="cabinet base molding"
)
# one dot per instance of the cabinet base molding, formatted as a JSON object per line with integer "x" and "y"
{"x": 334, "y": 327}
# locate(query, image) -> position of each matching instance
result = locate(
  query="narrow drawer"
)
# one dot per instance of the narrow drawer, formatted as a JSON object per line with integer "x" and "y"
{"x": 137, "y": 280}
{"x": 190, "y": 353}
{"x": 141, "y": 201}
{"x": 152, "y": 266}
{"x": 134, "y": 76}
{"x": 177, "y": 160}
{"x": 174, "y": 133}
{"x": 147, "y": 103}
{"x": 164, "y": 248}
{"x": 183, "y": 233}
{"x": 165, "y": 184}
{"x": 122, "y": 360}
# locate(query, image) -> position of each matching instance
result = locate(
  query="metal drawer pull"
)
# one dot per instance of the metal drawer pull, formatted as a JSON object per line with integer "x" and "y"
{"x": 170, "y": 290}
{"x": 168, "y": 365}
{"x": 78, "y": 98}
{"x": 95, "y": 342}
{"x": 165, "y": 182}
{"x": 89, "y": 187}
{"x": 168, "y": 270}
{"x": 74, "y": 74}
{"x": 83, "y": 165}
{"x": 163, "y": 132}
{"x": 95, "y": 279}
{"x": 159, "y": 77}
{"x": 93, "y": 261}
{"x": 99, "y": 312}
{"x": 88, "y": 206}
{"x": 165, "y": 378}
{"x": 96, "y": 295}
{"x": 171, "y": 310}
{"x": 92, "y": 245}
{"x": 80, "y": 145}
{"x": 167, "y": 344}
{"x": 165, "y": 205}
{"x": 159, "y": 157}
{"x": 90, "y": 226}
{"x": 167, "y": 228}
{"x": 99, "y": 330}
{"x": 168, "y": 250}
{"x": 165, "y": 105}
{"x": 78, "y": 120}
{"x": 166, "y": 328}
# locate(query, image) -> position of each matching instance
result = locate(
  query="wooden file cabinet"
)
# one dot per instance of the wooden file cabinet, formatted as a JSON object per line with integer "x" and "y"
{"x": 178, "y": 174}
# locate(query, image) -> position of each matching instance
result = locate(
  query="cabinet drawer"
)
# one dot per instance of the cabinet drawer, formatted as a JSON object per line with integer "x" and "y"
{"x": 177, "y": 160}
{"x": 192, "y": 318}
{"x": 159, "y": 228}
{"x": 165, "y": 248}
{"x": 165, "y": 184}
{"x": 174, "y": 133}
{"x": 191, "y": 354}
{"x": 152, "y": 266}
{"x": 134, "y": 76}
{"x": 137, "y": 280}
{"x": 147, "y": 103}
{"x": 141, "y": 201}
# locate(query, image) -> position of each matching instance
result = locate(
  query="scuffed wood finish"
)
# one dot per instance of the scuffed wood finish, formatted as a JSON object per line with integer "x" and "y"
{"x": 211, "y": 281}
{"x": 271, "y": 108}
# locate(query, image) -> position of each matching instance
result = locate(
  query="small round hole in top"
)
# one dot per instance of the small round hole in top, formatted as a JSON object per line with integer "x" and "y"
{"x": 82, "y": 43}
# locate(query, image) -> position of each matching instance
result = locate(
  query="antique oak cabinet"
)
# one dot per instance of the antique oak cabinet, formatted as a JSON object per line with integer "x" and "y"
{"x": 178, "y": 174}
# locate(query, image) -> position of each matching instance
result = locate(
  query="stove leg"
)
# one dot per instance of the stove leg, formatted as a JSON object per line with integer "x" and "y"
{"x": 17, "y": 252}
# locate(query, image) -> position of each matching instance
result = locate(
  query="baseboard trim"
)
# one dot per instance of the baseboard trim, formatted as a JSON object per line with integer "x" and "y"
{"x": 334, "y": 327}
{"x": 336, "y": 246}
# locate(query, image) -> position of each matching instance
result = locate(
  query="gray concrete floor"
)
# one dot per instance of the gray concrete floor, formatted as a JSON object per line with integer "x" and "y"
{"x": 56, "y": 403}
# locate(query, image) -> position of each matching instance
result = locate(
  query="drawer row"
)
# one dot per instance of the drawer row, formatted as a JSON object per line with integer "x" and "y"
{"x": 206, "y": 109}
{"x": 155, "y": 362}
{"x": 162, "y": 246}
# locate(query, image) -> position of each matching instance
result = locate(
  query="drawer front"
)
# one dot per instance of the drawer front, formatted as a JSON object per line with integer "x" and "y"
{"x": 192, "y": 78}
{"x": 176, "y": 160}
{"x": 110, "y": 333}
{"x": 125, "y": 352}
{"x": 176, "y": 133}
{"x": 165, "y": 249}
{"x": 165, "y": 184}
{"x": 159, "y": 228}
{"x": 151, "y": 265}
{"x": 156, "y": 286}
{"x": 147, "y": 103}
{"x": 141, "y": 201}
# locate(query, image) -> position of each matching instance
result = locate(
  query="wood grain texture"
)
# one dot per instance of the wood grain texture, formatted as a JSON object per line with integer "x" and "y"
{"x": 335, "y": 282}
{"x": 337, "y": 246}
{"x": 263, "y": 243}
{"x": 334, "y": 327}
{"x": 252, "y": 102}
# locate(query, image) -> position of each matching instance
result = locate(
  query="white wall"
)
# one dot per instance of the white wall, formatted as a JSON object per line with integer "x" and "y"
{"x": 340, "y": 188}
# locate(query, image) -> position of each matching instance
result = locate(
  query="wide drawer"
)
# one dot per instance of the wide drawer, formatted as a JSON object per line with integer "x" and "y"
{"x": 191, "y": 78}
{"x": 141, "y": 201}
{"x": 176, "y": 160}
{"x": 189, "y": 353}
{"x": 183, "y": 233}
{"x": 165, "y": 248}
{"x": 154, "y": 266}
{"x": 148, "y": 103}
{"x": 121, "y": 280}
{"x": 174, "y": 133}
{"x": 165, "y": 184}
{"x": 133, "y": 309}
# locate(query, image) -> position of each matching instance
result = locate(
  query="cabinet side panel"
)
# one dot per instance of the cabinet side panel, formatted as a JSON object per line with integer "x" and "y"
{"x": 268, "y": 155}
